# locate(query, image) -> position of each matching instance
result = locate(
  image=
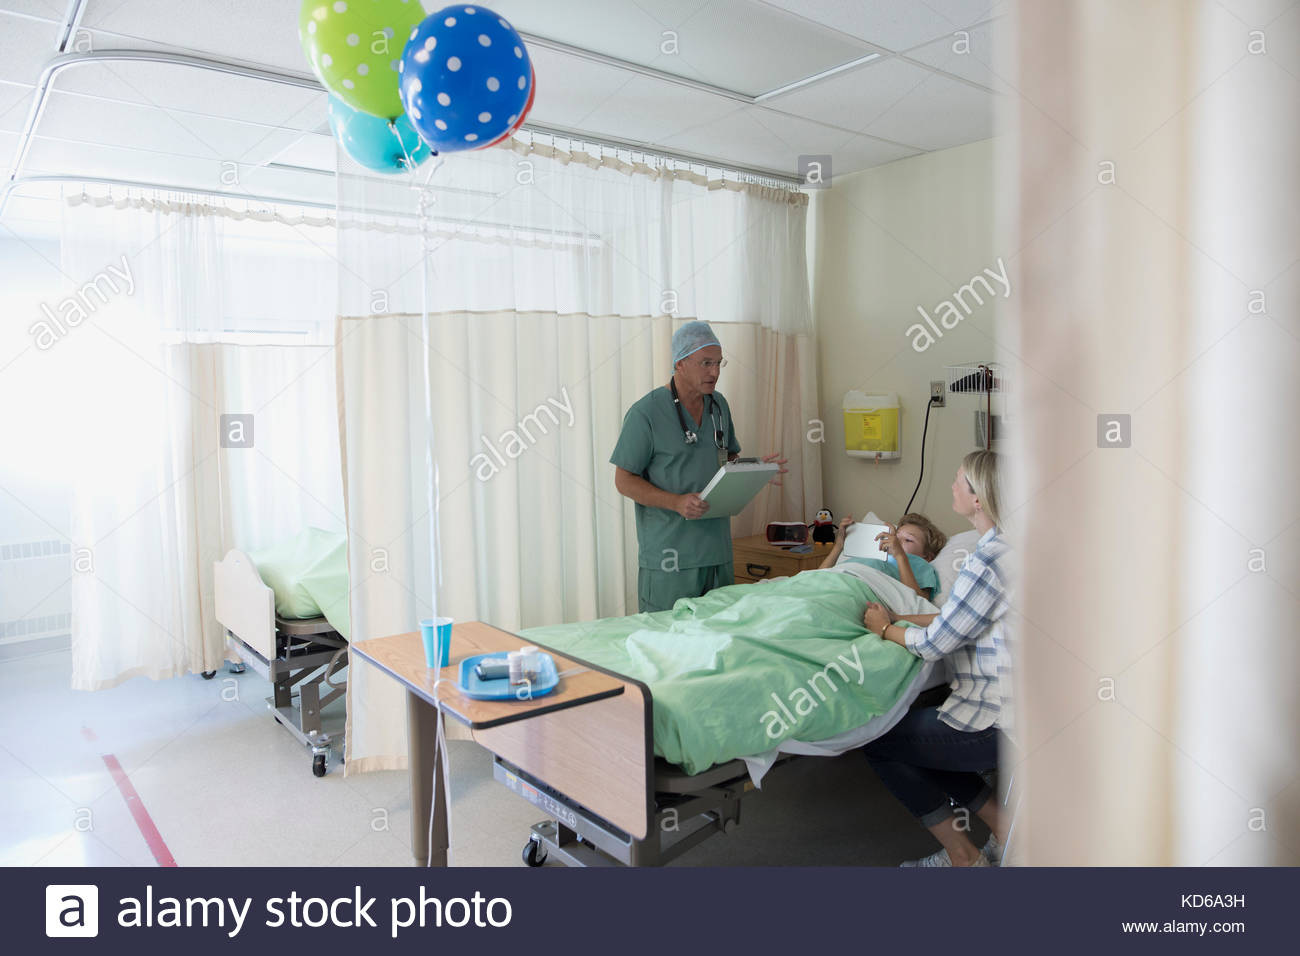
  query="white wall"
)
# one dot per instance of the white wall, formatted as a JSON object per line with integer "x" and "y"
{"x": 886, "y": 240}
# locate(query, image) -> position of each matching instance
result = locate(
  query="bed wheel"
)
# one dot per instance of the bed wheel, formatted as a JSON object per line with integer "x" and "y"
{"x": 534, "y": 853}
{"x": 318, "y": 765}
{"x": 208, "y": 675}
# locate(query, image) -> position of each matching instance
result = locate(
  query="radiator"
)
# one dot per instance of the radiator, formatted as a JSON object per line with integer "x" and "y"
{"x": 31, "y": 572}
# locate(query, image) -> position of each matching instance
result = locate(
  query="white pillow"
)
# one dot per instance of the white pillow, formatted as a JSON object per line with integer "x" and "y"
{"x": 950, "y": 561}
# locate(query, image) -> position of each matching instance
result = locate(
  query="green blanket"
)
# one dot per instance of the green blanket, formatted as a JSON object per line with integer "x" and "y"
{"x": 309, "y": 575}
{"x": 738, "y": 671}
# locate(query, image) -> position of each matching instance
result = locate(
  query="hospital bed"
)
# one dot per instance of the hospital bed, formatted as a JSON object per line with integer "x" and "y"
{"x": 680, "y": 809}
{"x": 302, "y": 658}
{"x": 586, "y": 755}
{"x": 684, "y": 811}
{"x": 667, "y": 810}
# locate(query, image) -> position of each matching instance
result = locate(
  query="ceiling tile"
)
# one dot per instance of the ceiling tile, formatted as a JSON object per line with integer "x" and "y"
{"x": 157, "y": 121}
{"x": 894, "y": 26}
{"x": 262, "y": 181}
{"x": 777, "y": 48}
{"x": 937, "y": 114}
{"x": 747, "y": 47}
{"x": 650, "y": 111}
{"x": 79, "y": 119}
{"x": 254, "y": 31}
{"x": 310, "y": 150}
{"x": 25, "y": 47}
{"x": 863, "y": 152}
{"x": 8, "y": 144}
{"x": 51, "y": 156}
{"x": 194, "y": 90}
{"x": 758, "y": 137}
{"x": 52, "y": 10}
{"x": 570, "y": 89}
{"x": 15, "y": 101}
{"x": 856, "y": 99}
{"x": 970, "y": 57}
{"x": 96, "y": 160}
{"x": 899, "y": 101}
{"x": 619, "y": 28}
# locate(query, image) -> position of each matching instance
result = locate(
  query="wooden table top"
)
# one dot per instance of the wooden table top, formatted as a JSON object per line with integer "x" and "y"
{"x": 401, "y": 656}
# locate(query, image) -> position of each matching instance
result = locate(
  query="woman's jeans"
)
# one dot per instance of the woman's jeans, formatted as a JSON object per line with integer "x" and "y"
{"x": 923, "y": 762}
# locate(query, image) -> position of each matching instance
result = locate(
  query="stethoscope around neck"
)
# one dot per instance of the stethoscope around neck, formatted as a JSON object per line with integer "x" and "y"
{"x": 688, "y": 433}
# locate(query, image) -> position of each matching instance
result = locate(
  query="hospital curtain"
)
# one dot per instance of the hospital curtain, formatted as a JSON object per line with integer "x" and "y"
{"x": 499, "y": 314}
{"x": 168, "y": 322}
{"x": 1152, "y": 157}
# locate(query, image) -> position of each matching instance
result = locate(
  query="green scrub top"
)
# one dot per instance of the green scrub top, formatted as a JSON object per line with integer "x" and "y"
{"x": 653, "y": 446}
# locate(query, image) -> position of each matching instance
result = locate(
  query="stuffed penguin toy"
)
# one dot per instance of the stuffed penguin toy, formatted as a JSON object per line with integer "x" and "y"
{"x": 823, "y": 527}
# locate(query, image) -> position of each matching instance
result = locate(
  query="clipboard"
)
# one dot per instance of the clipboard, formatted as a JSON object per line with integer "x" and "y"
{"x": 734, "y": 485}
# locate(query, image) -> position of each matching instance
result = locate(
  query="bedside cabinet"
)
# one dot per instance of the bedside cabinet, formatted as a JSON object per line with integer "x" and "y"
{"x": 756, "y": 559}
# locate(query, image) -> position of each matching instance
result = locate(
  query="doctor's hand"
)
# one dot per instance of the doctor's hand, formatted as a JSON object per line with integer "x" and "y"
{"x": 691, "y": 506}
{"x": 776, "y": 457}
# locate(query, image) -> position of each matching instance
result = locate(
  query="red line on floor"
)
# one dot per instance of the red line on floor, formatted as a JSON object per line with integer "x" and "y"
{"x": 142, "y": 819}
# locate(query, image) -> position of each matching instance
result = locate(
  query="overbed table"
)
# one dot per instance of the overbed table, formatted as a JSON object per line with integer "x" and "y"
{"x": 401, "y": 656}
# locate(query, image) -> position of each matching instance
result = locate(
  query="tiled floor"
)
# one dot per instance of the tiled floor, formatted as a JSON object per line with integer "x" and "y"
{"x": 227, "y": 786}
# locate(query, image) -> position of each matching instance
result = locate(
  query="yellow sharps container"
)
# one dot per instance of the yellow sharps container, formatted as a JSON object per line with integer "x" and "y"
{"x": 871, "y": 425}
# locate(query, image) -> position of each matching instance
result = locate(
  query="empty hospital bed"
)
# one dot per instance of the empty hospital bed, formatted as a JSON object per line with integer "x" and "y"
{"x": 303, "y": 656}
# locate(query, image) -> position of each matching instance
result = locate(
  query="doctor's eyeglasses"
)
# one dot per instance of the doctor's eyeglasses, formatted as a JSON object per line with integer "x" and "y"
{"x": 711, "y": 364}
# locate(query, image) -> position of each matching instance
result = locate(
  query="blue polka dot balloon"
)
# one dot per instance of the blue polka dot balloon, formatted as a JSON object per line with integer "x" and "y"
{"x": 466, "y": 79}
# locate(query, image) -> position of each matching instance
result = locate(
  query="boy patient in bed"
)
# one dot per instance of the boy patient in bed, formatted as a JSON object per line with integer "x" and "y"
{"x": 913, "y": 544}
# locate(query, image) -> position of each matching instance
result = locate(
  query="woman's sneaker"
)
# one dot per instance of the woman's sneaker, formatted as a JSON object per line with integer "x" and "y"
{"x": 992, "y": 851}
{"x": 941, "y": 858}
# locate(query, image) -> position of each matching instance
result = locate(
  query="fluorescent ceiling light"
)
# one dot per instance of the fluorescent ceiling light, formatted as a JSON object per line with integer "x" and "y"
{"x": 825, "y": 74}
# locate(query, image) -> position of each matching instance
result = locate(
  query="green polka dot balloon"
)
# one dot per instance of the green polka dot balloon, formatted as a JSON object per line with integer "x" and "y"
{"x": 355, "y": 47}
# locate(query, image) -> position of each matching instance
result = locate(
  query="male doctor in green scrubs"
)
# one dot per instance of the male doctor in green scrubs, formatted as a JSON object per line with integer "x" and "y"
{"x": 673, "y": 441}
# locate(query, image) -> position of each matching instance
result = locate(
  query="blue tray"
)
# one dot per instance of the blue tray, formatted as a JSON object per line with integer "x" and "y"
{"x": 502, "y": 689}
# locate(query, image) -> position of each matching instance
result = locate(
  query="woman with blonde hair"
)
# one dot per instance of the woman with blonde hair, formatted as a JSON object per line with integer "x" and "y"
{"x": 936, "y": 753}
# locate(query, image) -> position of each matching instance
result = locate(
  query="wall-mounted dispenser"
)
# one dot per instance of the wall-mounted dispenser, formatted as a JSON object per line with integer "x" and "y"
{"x": 871, "y": 425}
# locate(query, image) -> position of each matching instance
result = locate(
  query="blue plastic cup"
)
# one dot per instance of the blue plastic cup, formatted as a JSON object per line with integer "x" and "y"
{"x": 436, "y": 634}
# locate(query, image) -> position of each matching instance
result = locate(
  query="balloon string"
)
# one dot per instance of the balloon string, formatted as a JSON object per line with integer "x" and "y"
{"x": 409, "y": 160}
{"x": 426, "y": 198}
{"x": 433, "y": 168}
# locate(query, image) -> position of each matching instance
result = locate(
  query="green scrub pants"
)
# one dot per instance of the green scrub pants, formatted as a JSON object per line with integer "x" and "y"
{"x": 659, "y": 590}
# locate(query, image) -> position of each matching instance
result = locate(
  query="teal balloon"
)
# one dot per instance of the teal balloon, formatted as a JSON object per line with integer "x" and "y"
{"x": 376, "y": 143}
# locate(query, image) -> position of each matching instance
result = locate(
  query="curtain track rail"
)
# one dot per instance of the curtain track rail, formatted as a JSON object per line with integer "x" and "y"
{"x": 65, "y": 61}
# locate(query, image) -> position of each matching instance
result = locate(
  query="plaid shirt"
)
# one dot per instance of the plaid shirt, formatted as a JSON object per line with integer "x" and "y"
{"x": 969, "y": 633}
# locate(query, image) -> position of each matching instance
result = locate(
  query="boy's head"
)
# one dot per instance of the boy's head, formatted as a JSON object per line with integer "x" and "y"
{"x": 918, "y": 535}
